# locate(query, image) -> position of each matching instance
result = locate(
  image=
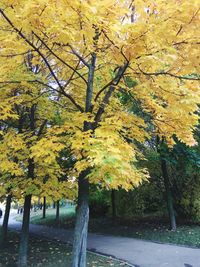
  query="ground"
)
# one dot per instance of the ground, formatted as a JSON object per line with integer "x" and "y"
{"x": 158, "y": 231}
{"x": 137, "y": 252}
{"x": 46, "y": 253}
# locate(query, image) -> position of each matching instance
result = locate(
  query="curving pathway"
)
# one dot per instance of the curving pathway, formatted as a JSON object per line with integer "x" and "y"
{"x": 138, "y": 253}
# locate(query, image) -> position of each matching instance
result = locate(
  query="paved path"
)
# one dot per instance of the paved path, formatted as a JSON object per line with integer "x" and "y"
{"x": 137, "y": 252}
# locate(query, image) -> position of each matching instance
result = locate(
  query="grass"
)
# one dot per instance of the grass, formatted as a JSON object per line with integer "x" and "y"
{"x": 187, "y": 235}
{"x": 66, "y": 215}
{"x": 45, "y": 253}
{"x": 147, "y": 229}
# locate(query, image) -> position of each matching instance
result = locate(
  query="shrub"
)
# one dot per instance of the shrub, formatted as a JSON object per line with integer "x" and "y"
{"x": 99, "y": 203}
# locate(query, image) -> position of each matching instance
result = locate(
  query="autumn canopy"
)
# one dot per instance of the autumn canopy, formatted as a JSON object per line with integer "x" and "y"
{"x": 66, "y": 67}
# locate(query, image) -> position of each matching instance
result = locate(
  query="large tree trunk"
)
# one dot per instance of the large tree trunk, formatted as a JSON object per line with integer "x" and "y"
{"x": 44, "y": 208}
{"x": 23, "y": 248}
{"x": 5, "y": 220}
{"x": 81, "y": 228}
{"x": 113, "y": 202}
{"x": 170, "y": 206}
{"x": 82, "y": 216}
{"x": 57, "y": 211}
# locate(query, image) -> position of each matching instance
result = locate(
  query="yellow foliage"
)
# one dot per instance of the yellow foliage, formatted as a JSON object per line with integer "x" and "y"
{"x": 49, "y": 46}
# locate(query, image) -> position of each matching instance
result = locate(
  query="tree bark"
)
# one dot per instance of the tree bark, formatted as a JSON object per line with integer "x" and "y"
{"x": 169, "y": 196}
{"x": 5, "y": 219}
{"x": 23, "y": 249}
{"x": 81, "y": 228}
{"x": 44, "y": 208}
{"x": 113, "y": 201}
{"x": 57, "y": 211}
{"x": 82, "y": 216}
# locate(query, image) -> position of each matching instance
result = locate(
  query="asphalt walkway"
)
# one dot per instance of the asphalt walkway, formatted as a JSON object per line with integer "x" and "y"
{"x": 137, "y": 252}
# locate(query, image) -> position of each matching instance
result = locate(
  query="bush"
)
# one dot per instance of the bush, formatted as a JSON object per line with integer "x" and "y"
{"x": 98, "y": 203}
{"x": 142, "y": 200}
{"x": 187, "y": 203}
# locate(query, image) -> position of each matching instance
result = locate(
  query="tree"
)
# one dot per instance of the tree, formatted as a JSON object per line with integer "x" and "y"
{"x": 169, "y": 198}
{"x": 21, "y": 169}
{"x": 57, "y": 212}
{"x": 183, "y": 169}
{"x": 44, "y": 208}
{"x": 88, "y": 60}
{"x": 113, "y": 204}
{"x": 5, "y": 220}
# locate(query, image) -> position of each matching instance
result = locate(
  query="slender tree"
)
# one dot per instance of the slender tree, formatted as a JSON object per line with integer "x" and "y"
{"x": 5, "y": 220}
{"x": 57, "y": 212}
{"x": 169, "y": 196}
{"x": 44, "y": 208}
{"x": 113, "y": 204}
{"x": 163, "y": 152}
{"x": 23, "y": 249}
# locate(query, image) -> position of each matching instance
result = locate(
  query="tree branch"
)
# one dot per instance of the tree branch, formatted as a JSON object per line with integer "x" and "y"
{"x": 15, "y": 55}
{"x": 108, "y": 94}
{"x": 79, "y": 56}
{"x": 169, "y": 74}
{"x": 72, "y": 75}
{"x": 52, "y": 88}
{"x": 60, "y": 59}
{"x": 43, "y": 57}
{"x": 42, "y": 127}
{"x": 113, "y": 82}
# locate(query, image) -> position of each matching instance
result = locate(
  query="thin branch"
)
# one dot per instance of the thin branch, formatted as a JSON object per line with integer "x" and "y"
{"x": 194, "y": 15}
{"x": 107, "y": 37}
{"x": 28, "y": 81}
{"x": 186, "y": 42}
{"x": 108, "y": 94}
{"x": 181, "y": 27}
{"x": 43, "y": 57}
{"x": 72, "y": 75}
{"x": 179, "y": 31}
{"x": 103, "y": 105}
{"x": 105, "y": 86}
{"x": 35, "y": 98}
{"x": 156, "y": 119}
{"x": 32, "y": 45}
{"x": 79, "y": 56}
{"x": 130, "y": 6}
{"x": 42, "y": 127}
{"x": 169, "y": 74}
{"x": 15, "y": 55}
{"x": 49, "y": 86}
{"x": 60, "y": 59}
{"x": 125, "y": 57}
{"x": 173, "y": 93}
{"x": 113, "y": 82}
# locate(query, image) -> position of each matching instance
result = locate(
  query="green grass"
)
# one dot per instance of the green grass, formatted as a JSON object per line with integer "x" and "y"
{"x": 188, "y": 235}
{"x": 147, "y": 229}
{"x": 45, "y": 253}
{"x": 66, "y": 215}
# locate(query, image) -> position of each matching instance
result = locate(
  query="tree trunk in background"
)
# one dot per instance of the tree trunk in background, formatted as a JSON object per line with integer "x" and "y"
{"x": 113, "y": 201}
{"x": 23, "y": 248}
{"x": 57, "y": 211}
{"x": 5, "y": 220}
{"x": 81, "y": 228}
{"x": 170, "y": 206}
{"x": 44, "y": 208}
{"x": 54, "y": 205}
